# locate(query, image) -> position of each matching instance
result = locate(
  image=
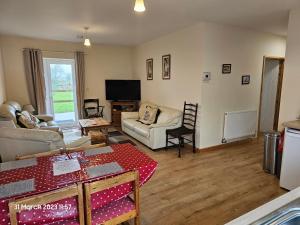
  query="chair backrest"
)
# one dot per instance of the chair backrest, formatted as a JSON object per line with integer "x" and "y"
{"x": 46, "y": 198}
{"x": 91, "y": 106}
{"x": 79, "y": 149}
{"x": 41, "y": 154}
{"x": 97, "y": 186}
{"x": 189, "y": 116}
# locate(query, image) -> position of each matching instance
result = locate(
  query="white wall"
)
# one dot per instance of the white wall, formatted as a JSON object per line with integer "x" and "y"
{"x": 244, "y": 49}
{"x": 185, "y": 47}
{"x": 2, "y": 81}
{"x": 102, "y": 62}
{"x": 204, "y": 48}
{"x": 269, "y": 94}
{"x": 290, "y": 103}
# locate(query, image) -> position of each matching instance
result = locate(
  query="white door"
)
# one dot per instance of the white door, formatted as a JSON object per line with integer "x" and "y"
{"x": 61, "y": 90}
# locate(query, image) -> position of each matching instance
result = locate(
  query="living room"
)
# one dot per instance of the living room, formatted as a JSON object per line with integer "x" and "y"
{"x": 209, "y": 56}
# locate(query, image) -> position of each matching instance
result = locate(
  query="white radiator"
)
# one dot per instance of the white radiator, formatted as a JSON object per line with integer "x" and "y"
{"x": 239, "y": 125}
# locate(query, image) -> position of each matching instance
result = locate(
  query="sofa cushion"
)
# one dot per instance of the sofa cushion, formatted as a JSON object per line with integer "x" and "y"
{"x": 7, "y": 111}
{"x": 168, "y": 115}
{"x": 143, "y": 108}
{"x": 142, "y": 129}
{"x": 138, "y": 127}
{"x": 149, "y": 115}
{"x": 14, "y": 104}
{"x": 26, "y": 120}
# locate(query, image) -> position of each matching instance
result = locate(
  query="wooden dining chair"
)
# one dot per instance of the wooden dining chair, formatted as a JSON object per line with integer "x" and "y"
{"x": 41, "y": 154}
{"x": 116, "y": 212}
{"x": 79, "y": 149}
{"x": 15, "y": 206}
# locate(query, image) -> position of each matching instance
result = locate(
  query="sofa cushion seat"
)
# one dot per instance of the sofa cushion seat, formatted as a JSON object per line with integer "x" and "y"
{"x": 138, "y": 127}
{"x": 143, "y": 130}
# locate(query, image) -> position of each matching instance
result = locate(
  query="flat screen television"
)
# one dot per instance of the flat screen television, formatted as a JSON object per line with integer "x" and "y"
{"x": 123, "y": 90}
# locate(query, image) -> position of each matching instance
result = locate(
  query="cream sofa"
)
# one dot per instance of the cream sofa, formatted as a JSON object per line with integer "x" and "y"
{"x": 8, "y": 110}
{"x": 154, "y": 135}
{"x": 22, "y": 141}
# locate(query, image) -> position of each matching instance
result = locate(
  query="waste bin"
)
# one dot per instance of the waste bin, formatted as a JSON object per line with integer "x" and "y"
{"x": 272, "y": 139}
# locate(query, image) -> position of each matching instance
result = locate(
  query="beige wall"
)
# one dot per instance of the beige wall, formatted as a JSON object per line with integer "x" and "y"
{"x": 185, "y": 84}
{"x": 244, "y": 49}
{"x": 290, "y": 103}
{"x": 2, "y": 81}
{"x": 204, "y": 48}
{"x": 102, "y": 62}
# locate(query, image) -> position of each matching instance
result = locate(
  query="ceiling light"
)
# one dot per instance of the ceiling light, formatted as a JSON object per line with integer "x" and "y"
{"x": 87, "y": 41}
{"x": 139, "y": 6}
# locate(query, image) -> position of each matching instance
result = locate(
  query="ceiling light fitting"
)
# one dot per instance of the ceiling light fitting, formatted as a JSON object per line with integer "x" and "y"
{"x": 87, "y": 41}
{"x": 139, "y": 6}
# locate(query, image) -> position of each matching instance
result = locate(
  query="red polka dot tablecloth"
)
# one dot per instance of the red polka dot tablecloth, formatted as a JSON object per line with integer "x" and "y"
{"x": 126, "y": 155}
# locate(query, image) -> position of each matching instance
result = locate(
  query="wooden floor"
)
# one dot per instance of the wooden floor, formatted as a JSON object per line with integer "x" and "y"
{"x": 206, "y": 188}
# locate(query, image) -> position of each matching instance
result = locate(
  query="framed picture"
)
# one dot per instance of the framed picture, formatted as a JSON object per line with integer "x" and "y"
{"x": 166, "y": 67}
{"x": 245, "y": 79}
{"x": 226, "y": 68}
{"x": 149, "y": 69}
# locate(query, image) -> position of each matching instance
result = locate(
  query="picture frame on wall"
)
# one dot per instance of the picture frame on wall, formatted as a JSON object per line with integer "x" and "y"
{"x": 149, "y": 69}
{"x": 246, "y": 79}
{"x": 226, "y": 68}
{"x": 166, "y": 67}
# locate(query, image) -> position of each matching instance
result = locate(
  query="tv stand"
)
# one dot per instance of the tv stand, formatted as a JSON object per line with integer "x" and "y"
{"x": 117, "y": 107}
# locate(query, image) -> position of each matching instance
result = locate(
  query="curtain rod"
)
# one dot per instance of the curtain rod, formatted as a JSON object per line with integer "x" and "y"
{"x": 44, "y": 50}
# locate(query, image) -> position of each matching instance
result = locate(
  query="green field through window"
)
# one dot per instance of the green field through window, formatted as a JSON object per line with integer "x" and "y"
{"x": 63, "y": 107}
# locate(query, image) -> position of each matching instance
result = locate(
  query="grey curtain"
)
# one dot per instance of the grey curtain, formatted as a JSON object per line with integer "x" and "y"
{"x": 80, "y": 81}
{"x": 34, "y": 71}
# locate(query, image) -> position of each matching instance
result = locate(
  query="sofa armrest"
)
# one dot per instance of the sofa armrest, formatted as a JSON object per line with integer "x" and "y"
{"x": 45, "y": 117}
{"x": 51, "y": 128}
{"x": 129, "y": 115}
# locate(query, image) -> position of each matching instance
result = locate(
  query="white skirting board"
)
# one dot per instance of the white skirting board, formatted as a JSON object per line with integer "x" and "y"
{"x": 239, "y": 125}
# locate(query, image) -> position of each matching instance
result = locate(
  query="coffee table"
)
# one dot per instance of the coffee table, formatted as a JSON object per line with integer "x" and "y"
{"x": 87, "y": 125}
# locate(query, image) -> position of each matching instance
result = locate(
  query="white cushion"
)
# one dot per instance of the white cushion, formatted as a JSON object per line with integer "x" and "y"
{"x": 136, "y": 126}
{"x": 168, "y": 115}
{"x": 142, "y": 129}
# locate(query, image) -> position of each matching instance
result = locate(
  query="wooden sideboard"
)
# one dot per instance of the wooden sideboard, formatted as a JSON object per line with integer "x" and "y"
{"x": 118, "y": 107}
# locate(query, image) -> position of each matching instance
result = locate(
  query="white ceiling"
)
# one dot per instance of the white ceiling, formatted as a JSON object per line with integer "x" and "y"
{"x": 114, "y": 22}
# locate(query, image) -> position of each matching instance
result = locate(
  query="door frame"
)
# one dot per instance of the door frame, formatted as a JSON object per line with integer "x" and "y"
{"x": 278, "y": 93}
{"x": 48, "y": 80}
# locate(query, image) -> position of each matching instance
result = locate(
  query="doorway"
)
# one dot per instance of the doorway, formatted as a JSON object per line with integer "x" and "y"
{"x": 61, "y": 90}
{"x": 272, "y": 77}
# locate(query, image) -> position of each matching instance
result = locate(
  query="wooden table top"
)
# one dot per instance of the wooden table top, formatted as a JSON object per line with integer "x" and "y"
{"x": 94, "y": 122}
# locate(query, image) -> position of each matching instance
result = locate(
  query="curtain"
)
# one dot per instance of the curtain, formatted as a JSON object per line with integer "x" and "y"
{"x": 34, "y": 71}
{"x": 80, "y": 81}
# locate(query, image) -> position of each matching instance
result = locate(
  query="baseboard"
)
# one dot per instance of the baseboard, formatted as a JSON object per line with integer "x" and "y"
{"x": 227, "y": 145}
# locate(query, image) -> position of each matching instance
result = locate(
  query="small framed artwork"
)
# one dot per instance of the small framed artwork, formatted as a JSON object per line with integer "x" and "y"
{"x": 149, "y": 69}
{"x": 245, "y": 79}
{"x": 166, "y": 67}
{"x": 226, "y": 68}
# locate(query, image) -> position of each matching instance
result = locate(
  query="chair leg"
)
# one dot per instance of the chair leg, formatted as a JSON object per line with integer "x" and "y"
{"x": 137, "y": 220}
{"x": 179, "y": 149}
{"x": 167, "y": 140}
{"x": 194, "y": 143}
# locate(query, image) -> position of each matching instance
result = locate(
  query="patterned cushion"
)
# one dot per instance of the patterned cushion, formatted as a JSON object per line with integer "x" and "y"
{"x": 149, "y": 115}
{"x": 112, "y": 210}
{"x": 27, "y": 120}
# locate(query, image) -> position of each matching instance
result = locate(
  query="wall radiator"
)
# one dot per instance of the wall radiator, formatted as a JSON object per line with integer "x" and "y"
{"x": 239, "y": 125}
